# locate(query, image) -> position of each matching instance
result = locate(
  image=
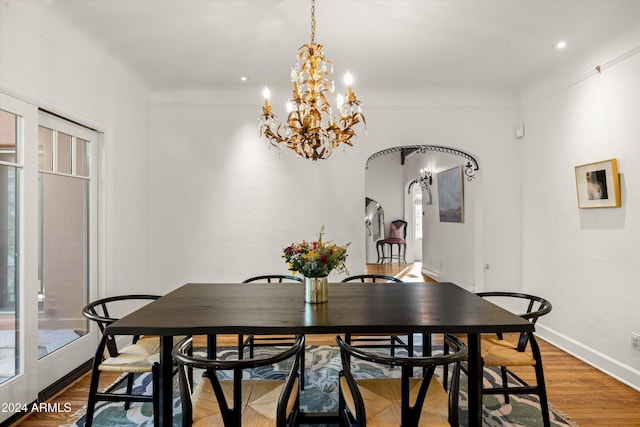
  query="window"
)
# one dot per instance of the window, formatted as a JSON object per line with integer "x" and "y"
{"x": 64, "y": 161}
{"x": 417, "y": 214}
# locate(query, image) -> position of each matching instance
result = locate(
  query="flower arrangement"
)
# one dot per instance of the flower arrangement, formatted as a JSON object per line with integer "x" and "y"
{"x": 316, "y": 259}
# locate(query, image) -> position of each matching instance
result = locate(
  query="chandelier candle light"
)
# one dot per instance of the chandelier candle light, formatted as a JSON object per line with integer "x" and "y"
{"x": 311, "y": 130}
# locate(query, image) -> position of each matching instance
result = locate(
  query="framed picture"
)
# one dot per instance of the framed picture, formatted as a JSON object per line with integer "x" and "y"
{"x": 450, "y": 195}
{"x": 598, "y": 185}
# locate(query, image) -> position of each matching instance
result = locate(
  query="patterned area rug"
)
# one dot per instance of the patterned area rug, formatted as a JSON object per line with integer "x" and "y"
{"x": 321, "y": 395}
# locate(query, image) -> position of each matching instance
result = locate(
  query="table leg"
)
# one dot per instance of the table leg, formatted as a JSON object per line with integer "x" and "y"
{"x": 212, "y": 346}
{"x": 475, "y": 380}
{"x": 165, "y": 381}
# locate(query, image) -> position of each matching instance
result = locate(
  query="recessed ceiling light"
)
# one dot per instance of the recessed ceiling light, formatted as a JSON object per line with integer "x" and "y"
{"x": 560, "y": 45}
{"x": 244, "y": 78}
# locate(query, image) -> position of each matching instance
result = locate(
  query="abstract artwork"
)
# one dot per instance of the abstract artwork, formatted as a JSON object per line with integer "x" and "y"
{"x": 450, "y": 195}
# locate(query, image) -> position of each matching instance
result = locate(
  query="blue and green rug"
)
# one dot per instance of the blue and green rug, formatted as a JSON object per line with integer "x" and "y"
{"x": 321, "y": 395}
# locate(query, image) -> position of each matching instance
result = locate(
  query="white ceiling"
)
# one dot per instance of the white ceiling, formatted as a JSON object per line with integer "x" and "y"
{"x": 487, "y": 44}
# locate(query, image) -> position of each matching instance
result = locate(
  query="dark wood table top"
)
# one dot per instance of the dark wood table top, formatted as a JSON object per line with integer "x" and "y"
{"x": 212, "y": 308}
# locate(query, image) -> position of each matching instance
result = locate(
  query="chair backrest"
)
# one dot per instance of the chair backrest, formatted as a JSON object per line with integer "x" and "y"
{"x": 398, "y": 229}
{"x": 274, "y": 278}
{"x": 533, "y": 308}
{"x": 410, "y": 409}
{"x": 107, "y": 310}
{"x": 371, "y": 278}
{"x": 232, "y": 414}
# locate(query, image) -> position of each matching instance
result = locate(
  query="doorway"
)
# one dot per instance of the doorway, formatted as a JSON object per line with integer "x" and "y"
{"x": 48, "y": 205}
{"x": 446, "y": 250}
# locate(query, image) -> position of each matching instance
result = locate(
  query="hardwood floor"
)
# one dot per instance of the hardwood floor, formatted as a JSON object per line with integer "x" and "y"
{"x": 585, "y": 396}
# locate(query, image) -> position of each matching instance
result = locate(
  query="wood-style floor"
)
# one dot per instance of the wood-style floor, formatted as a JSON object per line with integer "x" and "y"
{"x": 585, "y": 396}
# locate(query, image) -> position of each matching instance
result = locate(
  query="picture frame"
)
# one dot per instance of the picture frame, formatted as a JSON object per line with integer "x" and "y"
{"x": 451, "y": 195}
{"x": 598, "y": 185}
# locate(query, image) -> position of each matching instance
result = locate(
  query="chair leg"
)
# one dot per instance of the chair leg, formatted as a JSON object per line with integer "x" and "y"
{"x": 426, "y": 345}
{"x": 347, "y": 339}
{"x": 302, "y": 368}
{"x": 503, "y": 373}
{"x": 241, "y": 346}
{"x": 130, "y": 379}
{"x": 251, "y": 347}
{"x": 445, "y": 372}
{"x": 155, "y": 377}
{"x": 95, "y": 381}
{"x": 91, "y": 404}
{"x": 544, "y": 404}
{"x": 212, "y": 346}
{"x": 542, "y": 389}
{"x": 410, "y": 345}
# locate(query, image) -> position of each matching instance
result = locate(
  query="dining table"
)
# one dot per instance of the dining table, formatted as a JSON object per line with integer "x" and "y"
{"x": 356, "y": 308}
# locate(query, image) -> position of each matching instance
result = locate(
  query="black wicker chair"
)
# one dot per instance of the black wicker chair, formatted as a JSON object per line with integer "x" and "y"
{"x": 504, "y": 353}
{"x": 408, "y": 401}
{"x": 371, "y": 340}
{"x": 141, "y": 356}
{"x": 237, "y": 401}
{"x": 253, "y": 341}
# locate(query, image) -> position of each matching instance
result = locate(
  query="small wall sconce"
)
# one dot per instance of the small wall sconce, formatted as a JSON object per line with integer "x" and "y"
{"x": 425, "y": 181}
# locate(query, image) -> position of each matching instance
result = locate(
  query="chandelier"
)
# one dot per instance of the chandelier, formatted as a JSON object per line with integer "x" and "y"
{"x": 311, "y": 130}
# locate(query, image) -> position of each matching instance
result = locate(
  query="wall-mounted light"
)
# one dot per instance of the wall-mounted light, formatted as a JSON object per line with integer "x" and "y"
{"x": 425, "y": 181}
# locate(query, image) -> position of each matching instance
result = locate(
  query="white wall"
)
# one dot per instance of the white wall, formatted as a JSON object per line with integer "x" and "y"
{"x": 384, "y": 183}
{"x": 584, "y": 260}
{"x": 44, "y": 62}
{"x": 448, "y": 249}
{"x": 224, "y": 205}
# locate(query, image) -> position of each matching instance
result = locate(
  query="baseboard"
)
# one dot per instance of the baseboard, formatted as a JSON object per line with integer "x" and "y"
{"x": 620, "y": 371}
{"x": 65, "y": 381}
{"x": 51, "y": 391}
{"x": 435, "y": 276}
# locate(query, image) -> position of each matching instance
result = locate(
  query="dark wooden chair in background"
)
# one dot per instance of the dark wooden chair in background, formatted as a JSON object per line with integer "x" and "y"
{"x": 398, "y": 237}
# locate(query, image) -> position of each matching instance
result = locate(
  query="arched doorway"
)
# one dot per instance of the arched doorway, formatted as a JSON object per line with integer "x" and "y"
{"x": 447, "y": 250}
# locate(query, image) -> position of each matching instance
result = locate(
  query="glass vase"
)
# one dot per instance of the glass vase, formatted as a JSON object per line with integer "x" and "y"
{"x": 316, "y": 290}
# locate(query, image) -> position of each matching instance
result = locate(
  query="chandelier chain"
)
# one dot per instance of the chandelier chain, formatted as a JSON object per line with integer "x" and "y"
{"x": 313, "y": 22}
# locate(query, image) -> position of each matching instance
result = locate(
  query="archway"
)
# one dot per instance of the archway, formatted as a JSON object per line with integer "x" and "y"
{"x": 449, "y": 250}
